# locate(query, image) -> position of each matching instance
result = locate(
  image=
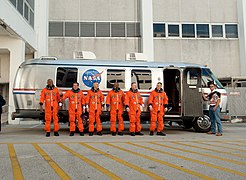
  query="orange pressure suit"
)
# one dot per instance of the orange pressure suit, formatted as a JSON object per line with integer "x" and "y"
{"x": 115, "y": 100}
{"x": 95, "y": 101}
{"x": 51, "y": 97}
{"x": 158, "y": 100}
{"x": 133, "y": 101}
{"x": 76, "y": 105}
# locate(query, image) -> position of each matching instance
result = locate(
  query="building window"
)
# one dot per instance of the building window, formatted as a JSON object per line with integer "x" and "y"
{"x": 188, "y": 30}
{"x": 13, "y": 2}
{"x": 91, "y": 29}
{"x": 159, "y": 30}
{"x": 72, "y": 29}
{"x": 102, "y": 29}
{"x": 202, "y": 30}
{"x": 118, "y": 30}
{"x": 115, "y": 75}
{"x": 138, "y": 30}
{"x": 31, "y": 3}
{"x": 231, "y": 31}
{"x": 173, "y": 30}
{"x": 87, "y": 29}
{"x": 133, "y": 29}
{"x": 26, "y": 11}
{"x": 65, "y": 76}
{"x": 31, "y": 18}
{"x": 142, "y": 78}
{"x": 56, "y": 29}
{"x": 20, "y": 6}
{"x": 217, "y": 31}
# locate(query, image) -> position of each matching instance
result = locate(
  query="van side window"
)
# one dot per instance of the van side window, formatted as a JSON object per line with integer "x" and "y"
{"x": 192, "y": 77}
{"x": 66, "y": 76}
{"x": 206, "y": 78}
{"x": 115, "y": 75}
{"x": 142, "y": 78}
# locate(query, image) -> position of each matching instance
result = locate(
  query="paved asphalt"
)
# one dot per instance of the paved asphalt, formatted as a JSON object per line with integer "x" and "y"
{"x": 25, "y": 153}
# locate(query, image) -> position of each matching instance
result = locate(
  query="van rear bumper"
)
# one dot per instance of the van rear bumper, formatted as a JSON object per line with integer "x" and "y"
{"x": 224, "y": 116}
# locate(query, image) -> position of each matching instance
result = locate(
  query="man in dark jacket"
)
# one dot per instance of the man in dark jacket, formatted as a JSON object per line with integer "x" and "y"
{"x": 2, "y": 103}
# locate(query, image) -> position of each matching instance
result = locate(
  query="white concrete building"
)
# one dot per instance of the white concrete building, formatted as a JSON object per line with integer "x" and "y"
{"x": 23, "y": 35}
{"x": 207, "y": 32}
{"x": 211, "y": 32}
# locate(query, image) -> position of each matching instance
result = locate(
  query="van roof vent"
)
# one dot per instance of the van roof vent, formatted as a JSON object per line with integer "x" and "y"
{"x": 48, "y": 58}
{"x": 83, "y": 55}
{"x": 136, "y": 57}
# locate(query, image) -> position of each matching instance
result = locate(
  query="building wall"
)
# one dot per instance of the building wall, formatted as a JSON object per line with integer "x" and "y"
{"x": 4, "y": 68}
{"x": 94, "y": 11}
{"x": 4, "y": 77}
{"x": 217, "y": 53}
{"x": 23, "y": 32}
{"x": 195, "y": 10}
{"x": 104, "y": 48}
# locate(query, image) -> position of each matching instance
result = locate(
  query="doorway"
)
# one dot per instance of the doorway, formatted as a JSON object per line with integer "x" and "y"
{"x": 173, "y": 90}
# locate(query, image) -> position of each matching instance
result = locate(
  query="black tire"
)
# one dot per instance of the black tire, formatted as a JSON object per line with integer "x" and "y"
{"x": 202, "y": 124}
{"x": 187, "y": 124}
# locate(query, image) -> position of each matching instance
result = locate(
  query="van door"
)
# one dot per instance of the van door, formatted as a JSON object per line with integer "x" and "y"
{"x": 192, "y": 96}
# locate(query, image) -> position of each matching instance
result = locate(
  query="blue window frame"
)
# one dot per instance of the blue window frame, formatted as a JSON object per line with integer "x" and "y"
{"x": 202, "y": 30}
{"x": 188, "y": 30}
{"x": 159, "y": 30}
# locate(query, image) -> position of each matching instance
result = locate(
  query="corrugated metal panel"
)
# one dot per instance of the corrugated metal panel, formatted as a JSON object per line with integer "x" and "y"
{"x": 237, "y": 101}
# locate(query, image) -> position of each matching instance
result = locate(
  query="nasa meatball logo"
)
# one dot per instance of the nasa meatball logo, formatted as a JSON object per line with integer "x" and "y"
{"x": 90, "y": 76}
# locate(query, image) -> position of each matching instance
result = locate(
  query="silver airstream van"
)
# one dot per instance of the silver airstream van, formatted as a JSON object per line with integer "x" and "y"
{"x": 183, "y": 83}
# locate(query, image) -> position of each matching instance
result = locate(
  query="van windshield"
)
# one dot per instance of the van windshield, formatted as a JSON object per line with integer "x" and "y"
{"x": 208, "y": 76}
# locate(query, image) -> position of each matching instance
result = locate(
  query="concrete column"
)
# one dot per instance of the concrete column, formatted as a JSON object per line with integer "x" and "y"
{"x": 16, "y": 47}
{"x": 147, "y": 45}
{"x": 42, "y": 26}
{"x": 242, "y": 35}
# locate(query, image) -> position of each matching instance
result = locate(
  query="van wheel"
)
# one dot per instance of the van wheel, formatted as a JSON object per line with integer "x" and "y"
{"x": 187, "y": 124}
{"x": 202, "y": 124}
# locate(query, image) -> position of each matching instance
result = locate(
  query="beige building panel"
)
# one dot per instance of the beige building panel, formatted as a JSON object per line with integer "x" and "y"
{"x": 168, "y": 11}
{"x": 221, "y": 55}
{"x": 104, "y": 48}
{"x": 196, "y": 11}
{"x": 167, "y": 50}
{"x": 196, "y": 51}
{"x": 94, "y": 10}
{"x": 125, "y": 10}
{"x": 119, "y": 47}
{"x": 4, "y": 67}
{"x": 225, "y": 58}
{"x": 224, "y": 11}
{"x": 64, "y": 10}
{"x": 109, "y": 10}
